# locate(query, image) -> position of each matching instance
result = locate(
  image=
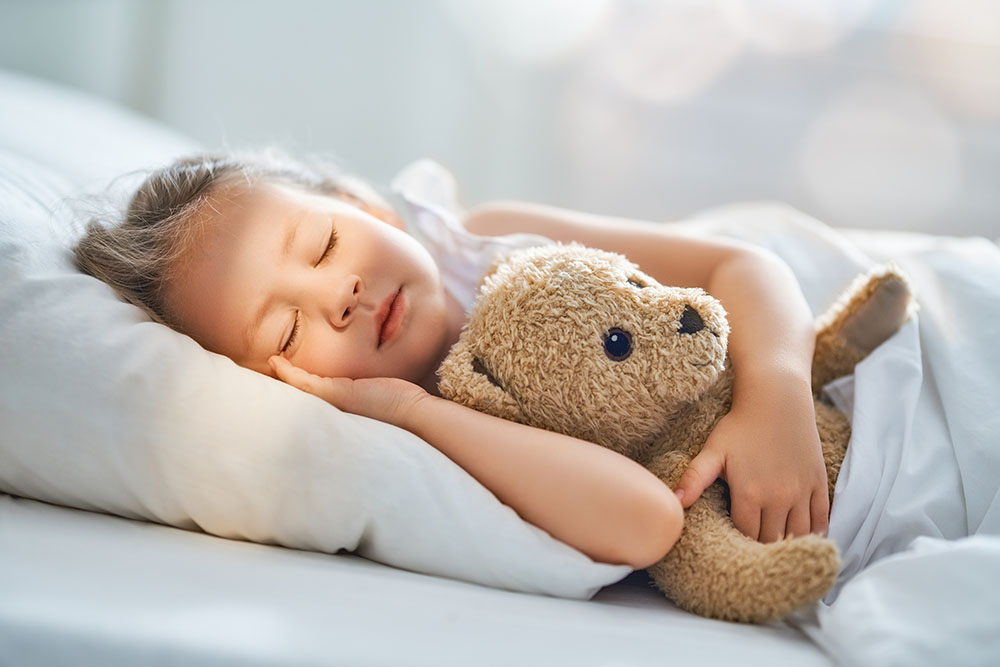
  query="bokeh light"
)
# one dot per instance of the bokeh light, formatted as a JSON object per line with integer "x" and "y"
{"x": 795, "y": 26}
{"x": 881, "y": 156}
{"x": 953, "y": 48}
{"x": 529, "y": 31}
{"x": 666, "y": 52}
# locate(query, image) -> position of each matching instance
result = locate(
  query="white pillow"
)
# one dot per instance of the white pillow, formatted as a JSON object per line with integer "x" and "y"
{"x": 102, "y": 409}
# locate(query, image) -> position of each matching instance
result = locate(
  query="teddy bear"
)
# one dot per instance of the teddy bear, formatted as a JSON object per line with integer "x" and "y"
{"x": 580, "y": 341}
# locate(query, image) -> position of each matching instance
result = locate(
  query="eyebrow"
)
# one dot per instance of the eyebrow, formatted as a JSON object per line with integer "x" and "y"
{"x": 250, "y": 333}
{"x": 290, "y": 233}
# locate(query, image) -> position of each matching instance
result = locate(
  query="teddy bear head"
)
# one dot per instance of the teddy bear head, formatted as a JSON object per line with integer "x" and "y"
{"x": 578, "y": 340}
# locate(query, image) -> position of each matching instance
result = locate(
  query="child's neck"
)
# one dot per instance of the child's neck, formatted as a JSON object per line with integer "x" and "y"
{"x": 457, "y": 317}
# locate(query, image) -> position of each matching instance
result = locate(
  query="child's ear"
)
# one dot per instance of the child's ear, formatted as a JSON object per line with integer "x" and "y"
{"x": 466, "y": 380}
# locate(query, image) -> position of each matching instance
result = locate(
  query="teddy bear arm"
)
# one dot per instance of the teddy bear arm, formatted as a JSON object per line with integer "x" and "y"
{"x": 866, "y": 315}
{"x": 716, "y": 571}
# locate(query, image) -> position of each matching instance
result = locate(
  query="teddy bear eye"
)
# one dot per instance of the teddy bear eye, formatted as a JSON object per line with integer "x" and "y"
{"x": 617, "y": 344}
{"x": 635, "y": 282}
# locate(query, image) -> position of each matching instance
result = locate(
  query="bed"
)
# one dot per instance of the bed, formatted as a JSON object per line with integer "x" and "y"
{"x": 139, "y": 534}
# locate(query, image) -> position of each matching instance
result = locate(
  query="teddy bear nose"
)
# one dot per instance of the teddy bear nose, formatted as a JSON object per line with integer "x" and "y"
{"x": 690, "y": 321}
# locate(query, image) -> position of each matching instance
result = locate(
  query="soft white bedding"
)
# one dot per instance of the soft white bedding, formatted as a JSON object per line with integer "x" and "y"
{"x": 923, "y": 466}
{"x": 87, "y": 589}
{"x": 83, "y": 588}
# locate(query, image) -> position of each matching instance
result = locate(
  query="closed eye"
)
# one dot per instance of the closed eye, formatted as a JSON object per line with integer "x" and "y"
{"x": 291, "y": 337}
{"x": 330, "y": 244}
{"x": 635, "y": 282}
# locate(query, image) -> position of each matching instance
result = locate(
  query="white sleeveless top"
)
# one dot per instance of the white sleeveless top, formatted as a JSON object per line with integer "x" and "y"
{"x": 424, "y": 194}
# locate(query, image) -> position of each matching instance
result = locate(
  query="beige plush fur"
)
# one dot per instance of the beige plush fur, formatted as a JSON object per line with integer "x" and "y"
{"x": 535, "y": 351}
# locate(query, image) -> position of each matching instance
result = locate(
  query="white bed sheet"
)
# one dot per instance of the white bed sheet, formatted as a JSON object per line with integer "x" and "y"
{"x": 79, "y": 588}
{"x": 922, "y": 472}
{"x": 917, "y": 507}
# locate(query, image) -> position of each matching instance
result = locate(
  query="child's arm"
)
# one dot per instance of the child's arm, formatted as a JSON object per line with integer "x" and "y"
{"x": 603, "y": 504}
{"x": 767, "y": 448}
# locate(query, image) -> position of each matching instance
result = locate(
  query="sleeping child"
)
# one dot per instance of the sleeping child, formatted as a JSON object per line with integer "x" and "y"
{"x": 314, "y": 278}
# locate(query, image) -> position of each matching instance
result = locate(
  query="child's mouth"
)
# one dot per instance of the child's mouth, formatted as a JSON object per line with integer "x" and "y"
{"x": 390, "y": 317}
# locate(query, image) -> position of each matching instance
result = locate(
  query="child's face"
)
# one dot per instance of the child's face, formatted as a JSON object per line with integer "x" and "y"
{"x": 261, "y": 282}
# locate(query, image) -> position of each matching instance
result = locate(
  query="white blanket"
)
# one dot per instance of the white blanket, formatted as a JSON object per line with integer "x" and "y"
{"x": 923, "y": 465}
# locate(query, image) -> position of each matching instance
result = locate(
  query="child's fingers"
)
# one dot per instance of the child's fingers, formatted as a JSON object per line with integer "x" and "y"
{"x": 799, "y": 521}
{"x": 701, "y": 472}
{"x": 772, "y": 525}
{"x": 819, "y": 508}
{"x": 287, "y": 372}
{"x": 747, "y": 518}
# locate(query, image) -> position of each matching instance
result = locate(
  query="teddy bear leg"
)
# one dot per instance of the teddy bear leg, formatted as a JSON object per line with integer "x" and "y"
{"x": 867, "y": 314}
{"x": 716, "y": 571}
{"x": 834, "y": 434}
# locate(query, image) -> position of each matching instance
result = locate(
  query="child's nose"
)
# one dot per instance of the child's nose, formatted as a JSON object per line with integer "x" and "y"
{"x": 344, "y": 300}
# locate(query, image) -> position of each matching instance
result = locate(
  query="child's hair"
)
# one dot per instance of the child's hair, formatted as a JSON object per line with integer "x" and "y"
{"x": 136, "y": 254}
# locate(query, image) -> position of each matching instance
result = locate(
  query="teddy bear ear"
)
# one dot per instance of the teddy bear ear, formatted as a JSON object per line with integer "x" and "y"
{"x": 465, "y": 379}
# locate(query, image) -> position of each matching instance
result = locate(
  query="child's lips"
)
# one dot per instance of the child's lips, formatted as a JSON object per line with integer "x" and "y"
{"x": 389, "y": 317}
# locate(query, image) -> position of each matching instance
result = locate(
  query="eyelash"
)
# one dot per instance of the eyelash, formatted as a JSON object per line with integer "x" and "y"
{"x": 329, "y": 246}
{"x": 291, "y": 338}
{"x": 295, "y": 326}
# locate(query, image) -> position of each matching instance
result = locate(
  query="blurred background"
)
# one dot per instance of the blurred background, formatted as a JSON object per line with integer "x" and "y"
{"x": 863, "y": 113}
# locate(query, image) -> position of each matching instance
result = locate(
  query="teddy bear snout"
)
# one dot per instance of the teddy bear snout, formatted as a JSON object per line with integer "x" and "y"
{"x": 691, "y": 321}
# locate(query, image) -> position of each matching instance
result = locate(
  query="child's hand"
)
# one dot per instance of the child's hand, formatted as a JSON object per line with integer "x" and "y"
{"x": 769, "y": 453}
{"x": 389, "y": 400}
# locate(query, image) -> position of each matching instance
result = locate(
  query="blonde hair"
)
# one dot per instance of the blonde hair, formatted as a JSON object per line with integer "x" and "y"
{"x": 136, "y": 254}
